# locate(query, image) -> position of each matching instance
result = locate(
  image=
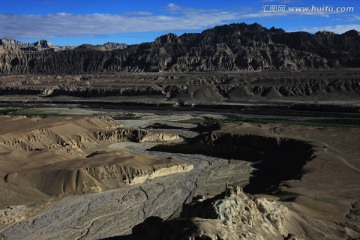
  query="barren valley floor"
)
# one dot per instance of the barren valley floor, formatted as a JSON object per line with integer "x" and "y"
{"x": 235, "y": 132}
{"x": 104, "y": 181}
{"x": 240, "y": 155}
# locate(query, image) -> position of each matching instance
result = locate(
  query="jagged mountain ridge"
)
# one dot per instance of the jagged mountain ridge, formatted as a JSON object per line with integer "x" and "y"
{"x": 233, "y": 47}
{"x": 44, "y": 45}
{"x": 41, "y": 45}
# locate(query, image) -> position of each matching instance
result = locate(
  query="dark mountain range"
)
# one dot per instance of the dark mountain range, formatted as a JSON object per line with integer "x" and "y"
{"x": 234, "y": 47}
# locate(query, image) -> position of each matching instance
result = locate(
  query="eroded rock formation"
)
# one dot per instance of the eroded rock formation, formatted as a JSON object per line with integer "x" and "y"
{"x": 275, "y": 159}
{"x": 232, "y": 215}
{"x": 225, "y": 48}
{"x": 60, "y": 156}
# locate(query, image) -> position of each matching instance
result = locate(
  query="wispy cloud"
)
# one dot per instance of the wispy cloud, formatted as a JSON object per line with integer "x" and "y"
{"x": 176, "y": 18}
{"x": 138, "y": 13}
{"x": 62, "y": 24}
{"x": 355, "y": 18}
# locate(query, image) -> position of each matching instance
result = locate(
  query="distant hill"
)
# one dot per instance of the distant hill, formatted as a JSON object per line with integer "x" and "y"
{"x": 234, "y": 47}
{"x": 41, "y": 45}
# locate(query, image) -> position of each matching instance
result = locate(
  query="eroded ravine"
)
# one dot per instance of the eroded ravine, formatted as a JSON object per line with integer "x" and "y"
{"x": 275, "y": 159}
{"x": 116, "y": 212}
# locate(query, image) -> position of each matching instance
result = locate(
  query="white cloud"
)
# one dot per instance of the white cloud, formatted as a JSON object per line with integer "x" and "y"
{"x": 63, "y": 24}
{"x": 177, "y": 18}
{"x": 172, "y": 7}
{"x": 138, "y": 13}
{"x": 355, "y": 18}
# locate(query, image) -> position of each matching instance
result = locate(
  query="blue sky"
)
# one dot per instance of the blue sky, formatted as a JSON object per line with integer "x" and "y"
{"x": 74, "y": 22}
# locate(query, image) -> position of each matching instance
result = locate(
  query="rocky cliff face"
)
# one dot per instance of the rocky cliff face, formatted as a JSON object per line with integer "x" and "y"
{"x": 275, "y": 160}
{"x": 225, "y": 48}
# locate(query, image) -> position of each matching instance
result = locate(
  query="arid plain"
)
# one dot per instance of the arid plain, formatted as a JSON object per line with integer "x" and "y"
{"x": 237, "y": 132}
{"x": 85, "y": 175}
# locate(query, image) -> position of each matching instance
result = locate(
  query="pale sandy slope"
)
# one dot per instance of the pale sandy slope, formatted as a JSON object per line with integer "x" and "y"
{"x": 42, "y": 159}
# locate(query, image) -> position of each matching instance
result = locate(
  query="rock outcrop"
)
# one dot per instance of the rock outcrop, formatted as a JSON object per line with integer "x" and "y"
{"x": 235, "y": 215}
{"x": 232, "y": 215}
{"x": 232, "y": 47}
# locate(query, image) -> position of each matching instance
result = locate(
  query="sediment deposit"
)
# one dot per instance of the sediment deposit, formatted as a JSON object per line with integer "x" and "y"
{"x": 202, "y": 203}
{"x": 46, "y": 158}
